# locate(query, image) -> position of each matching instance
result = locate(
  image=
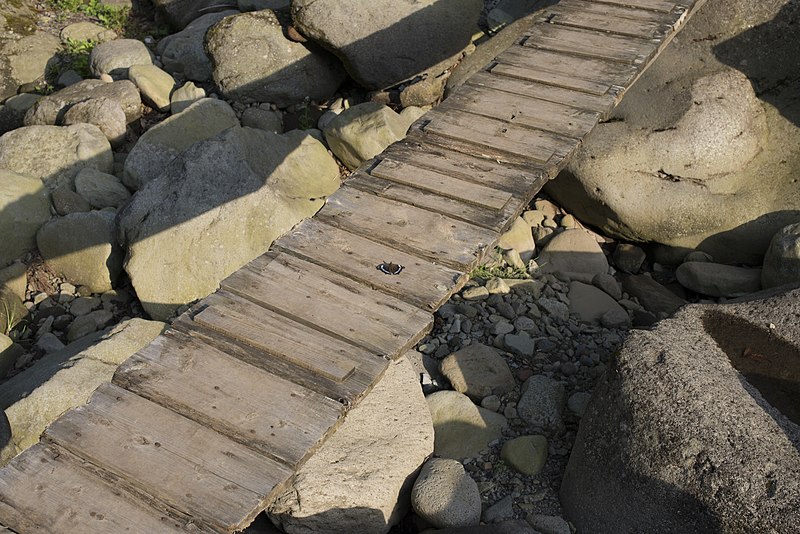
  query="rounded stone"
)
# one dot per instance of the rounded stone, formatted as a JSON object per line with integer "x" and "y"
{"x": 526, "y": 454}
{"x": 782, "y": 260}
{"x": 116, "y": 57}
{"x": 104, "y": 113}
{"x": 445, "y": 495}
{"x": 462, "y": 429}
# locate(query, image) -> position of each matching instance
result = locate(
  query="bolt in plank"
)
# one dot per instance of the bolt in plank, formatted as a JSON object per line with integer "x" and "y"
{"x": 270, "y": 414}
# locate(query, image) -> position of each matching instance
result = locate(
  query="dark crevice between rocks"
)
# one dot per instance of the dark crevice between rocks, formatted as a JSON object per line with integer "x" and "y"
{"x": 766, "y": 361}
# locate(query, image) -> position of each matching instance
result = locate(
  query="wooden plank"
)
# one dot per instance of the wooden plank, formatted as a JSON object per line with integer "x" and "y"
{"x": 515, "y": 180}
{"x": 441, "y": 184}
{"x": 515, "y": 109}
{"x": 601, "y": 104}
{"x": 664, "y": 6}
{"x": 498, "y": 137}
{"x": 331, "y": 303}
{"x": 181, "y": 463}
{"x": 593, "y": 7}
{"x": 45, "y": 490}
{"x": 490, "y": 219}
{"x": 590, "y": 43}
{"x": 274, "y": 416}
{"x": 642, "y": 29}
{"x": 354, "y": 256}
{"x": 296, "y": 337}
{"x": 251, "y": 331}
{"x": 593, "y": 75}
{"x": 420, "y": 232}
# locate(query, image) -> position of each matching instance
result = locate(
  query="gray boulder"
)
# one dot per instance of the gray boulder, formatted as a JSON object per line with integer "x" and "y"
{"x": 87, "y": 31}
{"x": 24, "y": 208}
{"x": 66, "y": 201}
{"x": 254, "y": 62}
{"x": 593, "y": 305}
{"x": 519, "y": 238}
{"x": 462, "y": 429}
{"x": 542, "y": 403}
{"x": 782, "y": 260}
{"x": 100, "y": 189}
{"x": 572, "y": 251}
{"x": 478, "y": 371}
{"x": 83, "y": 248}
{"x": 676, "y": 173}
{"x": 162, "y": 143}
{"x": 55, "y": 154}
{"x": 13, "y": 110}
{"x": 184, "y": 96}
{"x": 180, "y": 13}
{"x": 102, "y": 112}
{"x": 693, "y": 429}
{"x": 389, "y": 41}
{"x": 184, "y": 52}
{"x": 116, "y": 57}
{"x": 445, "y": 496}
{"x": 63, "y": 380}
{"x": 50, "y": 109}
{"x": 353, "y": 484}
{"x": 363, "y": 131}
{"x": 20, "y": 18}
{"x": 718, "y": 280}
{"x": 27, "y": 59}
{"x": 222, "y": 201}
{"x": 154, "y": 84}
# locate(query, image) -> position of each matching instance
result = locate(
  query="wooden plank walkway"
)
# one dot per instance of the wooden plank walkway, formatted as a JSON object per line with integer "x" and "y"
{"x": 199, "y": 431}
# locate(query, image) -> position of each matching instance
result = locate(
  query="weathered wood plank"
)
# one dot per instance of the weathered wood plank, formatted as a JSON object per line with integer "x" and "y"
{"x": 274, "y": 416}
{"x": 45, "y": 490}
{"x": 592, "y": 75}
{"x": 664, "y": 6}
{"x": 355, "y": 256}
{"x": 591, "y": 43}
{"x": 601, "y": 104}
{"x": 642, "y": 29}
{"x": 521, "y": 110}
{"x": 248, "y": 330}
{"x": 491, "y": 219}
{"x": 431, "y": 235}
{"x": 498, "y": 137}
{"x": 295, "y": 336}
{"x": 331, "y": 303}
{"x": 593, "y": 7}
{"x": 441, "y": 184}
{"x": 516, "y": 180}
{"x": 185, "y": 465}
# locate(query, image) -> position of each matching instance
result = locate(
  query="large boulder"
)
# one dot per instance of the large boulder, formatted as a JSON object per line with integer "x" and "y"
{"x": 63, "y": 380}
{"x": 55, "y": 154}
{"x": 27, "y": 59}
{"x": 51, "y": 109}
{"x": 360, "y": 479}
{"x": 217, "y": 206}
{"x": 695, "y": 426}
{"x": 363, "y": 131}
{"x": 162, "y": 143}
{"x": 184, "y": 52}
{"x": 19, "y": 19}
{"x": 83, "y": 248}
{"x": 676, "y": 172}
{"x": 180, "y": 13}
{"x": 255, "y": 62}
{"x": 116, "y": 57}
{"x": 389, "y": 41}
{"x": 782, "y": 260}
{"x": 24, "y": 208}
{"x": 462, "y": 429}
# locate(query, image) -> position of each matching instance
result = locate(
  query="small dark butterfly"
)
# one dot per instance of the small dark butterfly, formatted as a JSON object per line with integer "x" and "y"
{"x": 390, "y": 268}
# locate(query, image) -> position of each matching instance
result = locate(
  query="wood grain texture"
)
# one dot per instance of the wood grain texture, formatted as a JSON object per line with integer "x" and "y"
{"x": 453, "y": 243}
{"x": 605, "y": 9}
{"x": 592, "y": 44}
{"x": 441, "y": 184}
{"x": 267, "y": 413}
{"x": 663, "y": 6}
{"x": 518, "y": 180}
{"x": 330, "y": 303}
{"x": 45, "y": 490}
{"x": 601, "y": 104}
{"x": 554, "y": 117}
{"x": 181, "y": 463}
{"x": 296, "y": 337}
{"x": 357, "y": 257}
{"x": 498, "y": 137}
{"x": 497, "y": 221}
{"x": 611, "y": 20}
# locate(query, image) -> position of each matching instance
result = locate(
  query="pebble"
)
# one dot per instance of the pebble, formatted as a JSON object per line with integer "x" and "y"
{"x": 526, "y": 454}
{"x": 475, "y": 293}
{"x": 445, "y": 495}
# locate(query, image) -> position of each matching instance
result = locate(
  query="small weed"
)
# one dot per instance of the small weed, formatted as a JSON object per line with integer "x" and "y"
{"x": 76, "y": 56}
{"x": 10, "y": 319}
{"x": 113, "y": 18}
{"x": 487, "y": 272}
{"x": 304, "y": 118}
